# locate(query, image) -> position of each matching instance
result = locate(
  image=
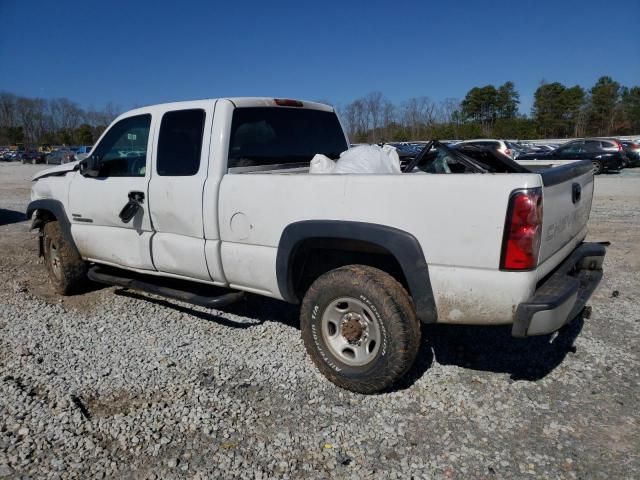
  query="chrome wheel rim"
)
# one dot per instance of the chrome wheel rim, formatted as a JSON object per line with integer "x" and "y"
{"x": 351, "y": 331}
{"x": 596, "y": 167}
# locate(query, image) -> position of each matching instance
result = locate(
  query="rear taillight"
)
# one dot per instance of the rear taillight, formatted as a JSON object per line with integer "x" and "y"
{"x": 507, "y": 152}
{"x": 522, "y": 230}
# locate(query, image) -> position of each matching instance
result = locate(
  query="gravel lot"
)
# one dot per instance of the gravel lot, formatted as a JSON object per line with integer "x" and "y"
{"x": 117, "y": 384}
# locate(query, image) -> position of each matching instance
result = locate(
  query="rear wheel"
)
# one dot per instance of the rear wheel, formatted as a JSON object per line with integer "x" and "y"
{"x": 67, "y": 271}
{"x": 360, "y": 328}
{"x": 598, "y": 168}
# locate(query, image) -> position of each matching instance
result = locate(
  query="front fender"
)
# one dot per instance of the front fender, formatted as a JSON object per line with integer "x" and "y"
{"x": 46, "y": 208}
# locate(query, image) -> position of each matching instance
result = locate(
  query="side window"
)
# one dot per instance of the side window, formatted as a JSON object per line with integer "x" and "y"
{"x": 593, "y": 146}
{"x": 575, "y": 147}
{"x": 180, "y": 143}
{"x": 123, "y": 150}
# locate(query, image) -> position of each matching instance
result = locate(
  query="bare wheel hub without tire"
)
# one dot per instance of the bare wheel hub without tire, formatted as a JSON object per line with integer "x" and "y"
{"x": 351, "y": 331}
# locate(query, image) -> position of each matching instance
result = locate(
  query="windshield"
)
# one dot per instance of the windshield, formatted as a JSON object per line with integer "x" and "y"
{"x": 273, "y": 136}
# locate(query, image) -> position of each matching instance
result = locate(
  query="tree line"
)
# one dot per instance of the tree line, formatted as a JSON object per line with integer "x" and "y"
{"x": 57, "y": 121}
{"x": 559, "y": 111}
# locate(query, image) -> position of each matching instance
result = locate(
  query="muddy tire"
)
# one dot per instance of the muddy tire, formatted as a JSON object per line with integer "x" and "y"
{"x": 360, "y": 328}
{"x": 67, "y": 271}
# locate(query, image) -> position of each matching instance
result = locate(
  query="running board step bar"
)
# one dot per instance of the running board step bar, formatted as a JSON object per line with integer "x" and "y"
{"x": 97, "y": 275}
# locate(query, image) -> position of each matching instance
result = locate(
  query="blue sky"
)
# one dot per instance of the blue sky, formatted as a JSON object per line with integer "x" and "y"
{"x": 141, "y": 52}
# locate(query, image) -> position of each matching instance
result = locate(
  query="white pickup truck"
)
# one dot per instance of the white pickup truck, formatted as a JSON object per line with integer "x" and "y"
{"x": 201, "y": 201}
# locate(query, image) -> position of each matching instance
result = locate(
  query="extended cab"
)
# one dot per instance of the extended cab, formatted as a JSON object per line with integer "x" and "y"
{"x": 201, "y": 201}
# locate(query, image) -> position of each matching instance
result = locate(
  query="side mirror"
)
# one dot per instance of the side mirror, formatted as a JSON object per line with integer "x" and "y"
{"x": 90, "y": 166}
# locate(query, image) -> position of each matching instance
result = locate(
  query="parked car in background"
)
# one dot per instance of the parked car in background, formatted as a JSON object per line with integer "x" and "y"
{"x": 84, "y": 149}
{"x": 500, "y": 145}
{"x": 516, "y": 148}
{"x": 547, "y": 148}
{"x": 59, "y": 157}
{"x": 605, "y": 154}
{"x": 82, "y": 152}
{"x": 31, "y": 156}
{"x": 632, "y": 151}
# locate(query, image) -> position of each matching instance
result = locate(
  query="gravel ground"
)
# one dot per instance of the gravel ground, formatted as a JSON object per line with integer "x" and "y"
{"x": 115, "y": 384}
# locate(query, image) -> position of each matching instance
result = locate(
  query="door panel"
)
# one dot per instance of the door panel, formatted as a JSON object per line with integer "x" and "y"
{"x": 178, "y": 254}
{"x": 124, "y": 247}
{"x": 95, "y": 203}
{"x": 179, "y": 171}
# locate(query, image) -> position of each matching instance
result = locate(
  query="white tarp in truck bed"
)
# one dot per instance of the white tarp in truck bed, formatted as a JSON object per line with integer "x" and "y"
{"x": 361, "y": 159}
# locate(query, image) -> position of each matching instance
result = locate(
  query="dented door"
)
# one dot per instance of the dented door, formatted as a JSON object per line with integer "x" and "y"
{"x": 176, "y": 188}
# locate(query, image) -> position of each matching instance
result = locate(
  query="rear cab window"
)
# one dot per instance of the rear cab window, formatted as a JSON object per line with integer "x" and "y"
{"x": 282, "y": 137}
{"x": 180, "y": 143}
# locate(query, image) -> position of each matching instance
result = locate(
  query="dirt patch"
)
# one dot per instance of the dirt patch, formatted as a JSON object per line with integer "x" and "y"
{"x": 119, "y": 403}
{"x": 20, "y": 265}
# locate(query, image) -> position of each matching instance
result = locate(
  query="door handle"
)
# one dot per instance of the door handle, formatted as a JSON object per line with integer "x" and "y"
{"x": 136, "y": 196}
{"x": 136, "y": 199}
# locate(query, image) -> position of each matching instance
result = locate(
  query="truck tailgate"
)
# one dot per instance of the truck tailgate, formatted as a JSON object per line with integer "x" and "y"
{"x": 567, "y": 195}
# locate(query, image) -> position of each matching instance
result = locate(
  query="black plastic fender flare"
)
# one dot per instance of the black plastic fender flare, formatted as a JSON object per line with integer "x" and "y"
{"x": 402, "y": 245}
{"x": 56, "y": 208}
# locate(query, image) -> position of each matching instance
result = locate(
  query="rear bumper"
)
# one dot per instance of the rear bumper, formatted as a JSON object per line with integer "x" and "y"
{"x": 634, "y": 159}
{"x": 613, "y": 164}
{"x": 563, "y": 294}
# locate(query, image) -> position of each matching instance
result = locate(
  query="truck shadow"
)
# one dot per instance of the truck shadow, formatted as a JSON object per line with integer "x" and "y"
{"x": 11, "y": 216}
{"x": 253, "y": 309}
{"x": 482, "y": 348}
{"x": 493, "y": 349}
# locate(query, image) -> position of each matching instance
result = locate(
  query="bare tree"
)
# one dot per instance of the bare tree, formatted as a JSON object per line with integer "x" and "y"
{"x": 65, "y": 114}
{"x": 374, "y": 103}
{"x": 8, "y": 111}
{"x": 356, "y": 118}
{"x": 388, "y": 119}
{"x": 36, "y": 120}
{"x": 447, "y": 109}
{"x": 419, "y": 116}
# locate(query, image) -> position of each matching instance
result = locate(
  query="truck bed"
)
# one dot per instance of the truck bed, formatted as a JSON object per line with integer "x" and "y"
{"x": 458, "y": 220}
